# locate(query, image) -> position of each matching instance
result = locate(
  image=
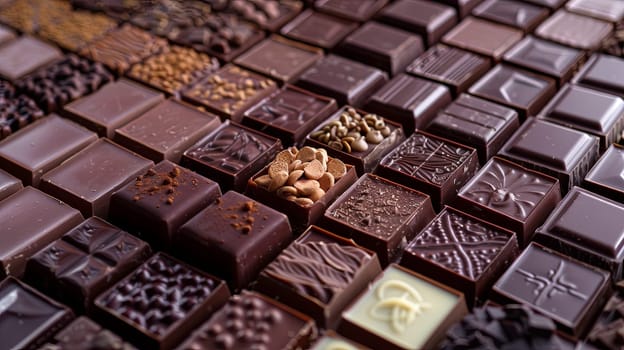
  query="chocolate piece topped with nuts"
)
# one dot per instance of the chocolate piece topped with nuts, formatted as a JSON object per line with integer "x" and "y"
{"x": 16, "y": 110}
{"x": 268, "y": 14}
{"x": 230, "y": 91}
{"x": 357, "y": 137}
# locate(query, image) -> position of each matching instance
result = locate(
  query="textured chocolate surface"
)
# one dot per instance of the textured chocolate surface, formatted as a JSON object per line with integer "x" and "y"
{"x": 607, "y": 175}
{"x": 88, "y": 179}
{"x": 85, "y": 262}
{"x": 24, "y": 55}
{"x": 318, "y": 29}
{"x": 606, "y": 331}
{"x": 30, "y": 220}
{"x": 84, "y": 334}
{"x": 603, "y": 72}
{"x": 166, "y": 130}
{"x": 477, "y": 123}
{"x": 614, "y": 44}
{"x": 574, "y": 30}
{"x": 8, "y": 184}
{"x": 158, "y": 304}
{"x": 483, "y": 37}
{"x": 16, "y": 109}
{"x": 512, "y": 13}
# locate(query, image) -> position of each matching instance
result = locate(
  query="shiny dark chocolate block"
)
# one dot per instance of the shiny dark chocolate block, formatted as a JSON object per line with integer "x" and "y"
{"x": 553, "y": 149}
{"x": 112, "y": 106}
{"x": 550, "y": 4}
{"x": 281, "y": 59}
{"x": 523, "y": 91}
{"x": 610, "y": 10}
{"x": 569, "y": 292}
{"x": 589, "y": 228}
{"x": 361, "y": 10}
{"x": 433, "y": 165}
{"x": 588, "y": 110}
{"x": 85, "y": 262}
{"x": 319, "y": 274}
{"x": 160, "y": 303}
{"x": 84, "y": 334}
{"x": 318, "y": 29}
{"x": 463, "y": 252}
{"x": 289, "y": 114}
{"x": 234, "y": 238}
{"x": 24, "y": 55}
{"x": 166, "y": 131}
{"x": 231, "y": 155}
{"x": 387, "y": 48}
{"x": 607, "y": 175}
{"x": 544, "y": 57}
{"x": 512, "y": 13}
{"x": 483, "y": 37}
{"x": 511, "y": 196}
{"x": 477, "y": 123}
{"x": 379, "y": 215}
{"x": 9, "y": 184}
{"x": 30, "y": 220}
{"x": 27, "y": 317}
{"x": 410, "y": 101}
{"x": 463, "y": 7}
{"x": 574, "y": 30}
{"x": 41, "y": 147}
{"x": 453, "y": 67}
{"x": 160, "y": 200}
{"x": 260, "y": 323}
{"x": 349, "y": 82}
{"x": 426, "y": 18}
{"x": 604, "y": 73}
{"x": 87, "y": 180}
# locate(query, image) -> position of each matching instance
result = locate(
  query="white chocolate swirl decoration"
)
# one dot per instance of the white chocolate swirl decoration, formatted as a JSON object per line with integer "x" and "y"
{"x": 399, "y": 303}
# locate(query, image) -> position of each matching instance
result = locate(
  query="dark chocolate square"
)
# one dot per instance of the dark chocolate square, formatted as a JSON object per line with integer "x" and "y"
{"x": 511, "y": 196}
{"x": 356, "y": 10}
{"x": 574, "y": 30}
{"x": 607, "y": 10}
{"x": 30, "y": 220}
{"x": 27, "y": 317}
{"x": 588, "y": 110}
{"x": 555, "y": 150}
{"x": 463, "y": 7}
{"x": 230, "y": 91}
{"x": 410, "y": 101}
{"x": 483, "y": 37}
{"x": 566, "y": 290}
{"x": 463, "y": 252}
{"x": 426, "y": 18}
{"x": 160, "y": 303}
{"x": 260, "y": 321}
{"x": 523, "y": 91}
{"x": 112, "y": 106}
{"x": 604, "y": 73}
{"x": 456, "y": 68}
{"x": 87, "y": 180}
{"x": 41, "y": 147}
{"x": 319, "y": 274}
{"x": 349, "y": 82}
{"x": 318, "y": 29}
{"x": 379, "y": 215}
{"x": 512, "y": 13}
{"x": 160, "y": 200}
{"x": 278, "y": 58}
{"x": 231, "y": 155}
{"x": 477, "y": 123}
{"x": 289, "y": 114}
{"x": 8, "y": 184}
{"x": 85, "y": 262}
{"x": 379, "y": 45}
{"x": 84, "y": 333}
{"x": 607, "y": 175}
{"x": 166, "y": 130}
{"x": 433, "y": 165}
{"x": 550, "y": 4}
{"x": 24, "y": 55}
{"x": 234, "y": 238}
{"x": 6, "y": 35}
{"x": 556, "y": 61}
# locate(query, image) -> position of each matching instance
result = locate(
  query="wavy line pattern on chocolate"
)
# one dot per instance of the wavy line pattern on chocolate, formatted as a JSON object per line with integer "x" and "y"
{"x": 446, "y": 63}
{"x": 427, "y": 159}
{"x": 317, "y": 269}
{"x": 288, "y": 110}
{"x": 459, "y": 244}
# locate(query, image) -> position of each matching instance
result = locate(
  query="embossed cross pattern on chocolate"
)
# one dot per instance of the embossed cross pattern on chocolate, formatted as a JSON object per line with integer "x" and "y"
{"x": 548, "y": 286}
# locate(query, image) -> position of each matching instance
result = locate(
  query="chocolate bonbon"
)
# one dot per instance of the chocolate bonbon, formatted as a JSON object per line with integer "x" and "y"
{"x": 41, "y": 147}
{"x": 84, "y": 262}
{"x": 8, "y": 184}
{"x": 574, "y": 30}
{"x": 318, "y": 29}
{"x": 512, "y": 13}
{"x": 160, "y": 303}
{"x": 607, "y": 175}
{"x": 83, "y": 333}
{"x": 603, "y": 72}
{"x": 24, "y": 55}
{"x": 319, "y": 274}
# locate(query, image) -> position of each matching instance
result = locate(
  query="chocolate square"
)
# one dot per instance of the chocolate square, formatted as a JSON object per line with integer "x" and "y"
{"x": 604, "y": 73}
{"x": 463, "y": 7}
{"x": 607, "y": 175}
{"x": 550, "y": 4}
{"x": 607, "y": 10}
{"x": 234, "y": 238}
{"x": 24, "y": 55}
{"x": 8, "y": 184}
{"x": 574, "y": 30}
{"x": 360, "y": 11}
{"x": 318, "y": 29}
{"x": 6, "y": 35}
{"x": 483, "y": 37}
{"x": 512, "y": 13}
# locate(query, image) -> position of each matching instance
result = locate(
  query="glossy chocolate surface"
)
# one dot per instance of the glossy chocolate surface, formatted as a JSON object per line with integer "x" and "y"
{"x": 483, "y": 37}
{"x": 166, "y": 131}
{"x": 112, "y": 106}
{"x": 84, "y": 334}
{"x": 180, "y": 297}
{"x": 463, "y": 7}
{"x": 553, "y": 149}
{"x": 551, "y": 4}
{"x": 574, "y": 30}
{"x": 348, "y": 81}
{"x": 512, "y": 13}
{"x": 603, "y": 72}
{"x": 6, "y": 35}
{"x": 361, "y": 10}
{"x": 607, "y": 175}
{"x": 581, "y": 289}
{"x": 160, "y": 200}
{"x": 41, "y": 147}
{"x": 30, "y": 220}
{"x": 9, "y": 184}
{"x": 477, "y": 123}
{"x": 318, "y": 29}
{"x": 24, "y": 55}
{"x": 87, "y": 180}
{"x": 84, "y": 262}
{"x": 608, "y": 10}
